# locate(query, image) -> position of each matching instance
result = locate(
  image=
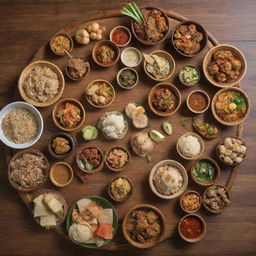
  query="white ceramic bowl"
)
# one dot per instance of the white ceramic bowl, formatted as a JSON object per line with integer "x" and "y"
{"x": 180, "y": 167}
{"x": 125, "y": 56}
{"x": 19, "y": 104}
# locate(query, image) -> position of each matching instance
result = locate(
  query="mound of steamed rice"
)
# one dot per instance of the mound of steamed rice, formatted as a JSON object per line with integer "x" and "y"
{"x": 189, "y": 146}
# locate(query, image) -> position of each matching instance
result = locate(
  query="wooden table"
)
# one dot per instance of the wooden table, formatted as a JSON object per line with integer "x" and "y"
{"x": 26, "y": 25}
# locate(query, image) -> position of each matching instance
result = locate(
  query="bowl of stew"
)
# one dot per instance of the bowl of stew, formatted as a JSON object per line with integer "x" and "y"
{"x": 198, "y": 101}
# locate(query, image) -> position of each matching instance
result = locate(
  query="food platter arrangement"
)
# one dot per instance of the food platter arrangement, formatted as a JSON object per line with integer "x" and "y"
{"x": 128, "y": 127}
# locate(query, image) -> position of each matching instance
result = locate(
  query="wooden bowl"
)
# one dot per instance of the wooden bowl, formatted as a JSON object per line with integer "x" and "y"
{"x": 71, "y": 174}
{"x": 107, "y": 163}
{"x": 191, "y": 192}
{"x": 207, "y": 207}
{"x": 124, "y": 58}
{"x": 186, "y": 84}
{"x": 206, "y": 96}
{"x": 46, "y": 170}
{"x": 70, "y": 39}
{"x": 119, "y": 200}
{"x": 199, "y": 28}
{"x": 192, "y": 240}
{"x": 183, "y": 172}
{"x": 67, "y": 137}
{"x": 119, "y": 73}
{"x": 151, "y": 242}
{"x": 168, "y": 57}
{"x": 25, "y": 73}
{"x": 200, "y": 141}
{"x": 127, "y": 30}
{"x": 217, "y": 172}
{"x": 84, "y": 76}
{"x": 99, "y": 168}
{"x": 106, "y": 42}
{"x": 216, "y": 116}
{"x": 236, "y": 52}
{"x": 88, "y": 98}
{"x": 173, "y": 89}
{"x": 60, "y": 105}
{"x": 166, "y": 33}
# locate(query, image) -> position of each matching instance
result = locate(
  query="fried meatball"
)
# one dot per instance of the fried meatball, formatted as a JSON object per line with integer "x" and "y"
{"x": 236, "y": 64}
{"x": 221, "y": 77}
{"x": 226, "y": 66}
{"x": 213, "y": 69}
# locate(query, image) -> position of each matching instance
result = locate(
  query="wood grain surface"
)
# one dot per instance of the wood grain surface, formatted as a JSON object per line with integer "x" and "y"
{"x": 26, "y": 25}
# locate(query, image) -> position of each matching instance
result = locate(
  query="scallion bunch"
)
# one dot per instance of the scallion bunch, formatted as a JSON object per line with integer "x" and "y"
{"x": 133, "y": 11}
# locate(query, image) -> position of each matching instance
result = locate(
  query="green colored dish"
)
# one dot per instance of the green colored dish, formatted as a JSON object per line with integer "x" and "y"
{"x": 204, "y": 171}
{"x": 189, "y": 75}
{"x": 104, "y": 204}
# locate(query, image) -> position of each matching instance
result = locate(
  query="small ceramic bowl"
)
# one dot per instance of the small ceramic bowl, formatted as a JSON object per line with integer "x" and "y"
{"x": 175, "y": 164}
{"x": 61, "y": 105}
{"x": 81, "y": 78}
{"x": 187, "y": 84}
{"x": 199, "y": 28}
{"x": 119, "y": 200}
{"x": 175, "y": 92}
{"x": 66, "y": 136}
{"x": 170, "y": 60}
{"x": 150, "y": 242}
{"x": 107, "y": 162}
{"x": 217, "y": 172}
{"x": 197, "y": 239}
{"x": 65, "y": 35}
{"x": 208, "y": 58}
{"x": 126, "y": 30}
{"x": 201, "y": 145}
{"x": 100, "y": 81}
{"x": 233, "y": 123}
{"x": 110, "y": 44}
{"x": 97, "y": 169}
{"x": 69, "y": 172}
{"x": 131, "y": 53}
{"x": 185, "y": 194}
{"x": 126, "y": 87}
{"x": 206, "y": 96}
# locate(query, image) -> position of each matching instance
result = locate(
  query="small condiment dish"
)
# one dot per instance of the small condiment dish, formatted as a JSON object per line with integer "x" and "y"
{"x": 84, "y": 76}
{"x": 205, "y": 94}
{"x": 125, "y": 87}
{"x": 58, "y": 170}
{"x": 65, "y": 35}
{"x": 187, "y": 84}
{"x": 131, "y": 53}
{"x": 185, "y": 194}
{"x": 127, "y": 31}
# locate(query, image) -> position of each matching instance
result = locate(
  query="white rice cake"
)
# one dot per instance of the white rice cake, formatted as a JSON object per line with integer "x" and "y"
{"x": 49, "y": 220}
{"x": 55, "y": 205}
{"x": 40, "y": 211}
{"x": 83, "y": 203}
{"x": 106, "y": 216}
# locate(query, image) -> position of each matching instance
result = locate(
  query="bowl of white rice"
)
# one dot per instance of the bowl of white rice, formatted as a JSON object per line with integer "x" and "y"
{"x": 168, "y": 179}
{"x": 190, "y": 146}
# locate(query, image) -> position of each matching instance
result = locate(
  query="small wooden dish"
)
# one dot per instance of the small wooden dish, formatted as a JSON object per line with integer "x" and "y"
{"x": 84, "y": 76}
{"x": 191, "y": 192}
{"x": 200, "y": 141}
{"x": 173, "y": 89}
{"x": 123, "y": 59}
{"x": 217, "y": 172}
{"x": 71, "y": 43}
{"x": 126, "y": 30}
{"x": 60, "y": 105}
{"x": 168, "y": 57}
{"x": 25, "y": 73}
{"x": 67, "y": 137}
{"x": 107, "y": 163}
{"x": 236, "y": 52}
{"x": 89, "y": 98}
{"x": 99, "y": 168}
{"x": 119, "y": 200}
{"x": 192, "y": 240}
{"x": 204, "y": 94}
{"x": 186, "y": 84}
{"x": 199, "y": 28}
{"x": 151, "y": 242}
{"x": 205, "y": 197}
{"x": 106, "y": 42}
{"x": 216, "y": 116}
{"x": 71, "y": 174}
{"x": 119, "y": 73}
{"x": 166, "y": 33}
{"x": 46, "y": 170}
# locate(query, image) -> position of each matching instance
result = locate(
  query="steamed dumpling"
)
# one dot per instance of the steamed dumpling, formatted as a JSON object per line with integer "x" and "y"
{"x": 80, "y": 233}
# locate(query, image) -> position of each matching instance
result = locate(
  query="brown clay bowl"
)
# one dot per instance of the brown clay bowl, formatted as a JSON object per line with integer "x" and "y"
{"x": 217, "y": 172}
{"x": 26, "y": 72}
{"x": 112, "y": 45}
{"x": 208, "y": 58}
{"x": 62, "y": 34}
{"x": 81, "y": 78}
{"x": 233, "y": 123}
{"x": 127, "y": 30}
{"x": 191, "y": 192}
{"x": 205, "y": 94}
{"x": 119, "y": 73}
{"x": 173, "y": 89}
{"x": 192, "y": 240}
{"x": 61, "y": 105}
{"x": 199, "y": 28}
{"x": 151, "y": 242}
{"x": 46, "y": 170}
{"x": 146, "y": 42}
{"x": 99, "y": 168}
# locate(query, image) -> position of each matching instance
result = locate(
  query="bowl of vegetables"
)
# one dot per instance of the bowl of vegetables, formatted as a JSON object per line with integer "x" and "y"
{"x": 127, "y": 78}
{"x": 189, "y": 75}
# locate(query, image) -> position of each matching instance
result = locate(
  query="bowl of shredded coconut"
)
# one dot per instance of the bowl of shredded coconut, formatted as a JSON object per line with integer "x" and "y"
{"x": 168, "y": 179}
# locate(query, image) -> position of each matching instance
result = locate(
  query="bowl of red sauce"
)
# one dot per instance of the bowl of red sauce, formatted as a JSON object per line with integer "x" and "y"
{"x": 192, "y": 228}
{"x": 198, "y": 101}
{"x": 120, "y": 35}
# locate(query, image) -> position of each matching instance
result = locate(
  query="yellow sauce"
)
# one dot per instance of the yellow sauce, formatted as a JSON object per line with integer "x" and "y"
{"x": 61, "y": 174}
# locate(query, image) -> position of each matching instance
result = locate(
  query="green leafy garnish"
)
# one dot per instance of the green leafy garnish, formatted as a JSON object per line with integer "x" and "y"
{"x": 133, "y": 11}
{"x": 238, "y": 100}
